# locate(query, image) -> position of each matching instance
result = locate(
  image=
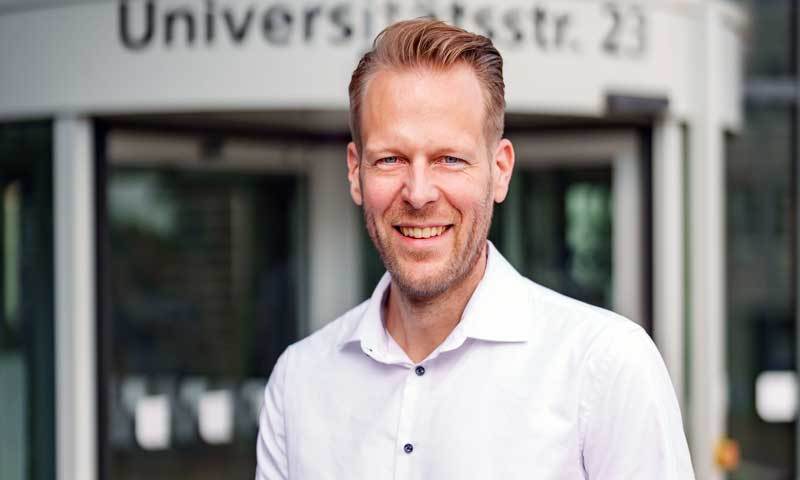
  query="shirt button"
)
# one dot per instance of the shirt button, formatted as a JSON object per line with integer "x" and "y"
{"x": 420, "y": 370}
{"x": 408, "y": 448}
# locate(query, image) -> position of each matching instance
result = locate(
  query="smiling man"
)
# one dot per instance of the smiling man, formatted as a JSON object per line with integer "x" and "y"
{"x": 457, "y": 367}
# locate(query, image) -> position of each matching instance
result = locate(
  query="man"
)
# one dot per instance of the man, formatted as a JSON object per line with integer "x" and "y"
{"x": 457, "y": 367}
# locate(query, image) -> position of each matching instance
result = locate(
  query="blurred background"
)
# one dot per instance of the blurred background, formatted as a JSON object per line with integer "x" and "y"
{"x": 174, "y": 211}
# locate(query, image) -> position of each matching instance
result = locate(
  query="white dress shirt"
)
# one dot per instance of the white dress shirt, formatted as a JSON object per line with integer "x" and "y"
{"x": 529, "y": 385}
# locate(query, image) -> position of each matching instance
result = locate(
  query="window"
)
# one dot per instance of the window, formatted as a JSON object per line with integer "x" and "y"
{"x": 761, "y": 324}
{"x": 562, "y": 219}
{"x": 205, "y": 276}
{"x": 27, "y": 422}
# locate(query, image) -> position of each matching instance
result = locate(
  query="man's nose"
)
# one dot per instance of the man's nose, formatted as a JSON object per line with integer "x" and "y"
{"x": 419, "y": 188}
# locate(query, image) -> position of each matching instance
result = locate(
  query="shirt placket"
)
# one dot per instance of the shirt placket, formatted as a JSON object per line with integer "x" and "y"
{"x": 406, "y": 445}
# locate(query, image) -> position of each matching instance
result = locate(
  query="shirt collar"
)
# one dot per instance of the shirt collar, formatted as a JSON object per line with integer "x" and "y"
{"x": 499, "y": 309}
{"x": 369, "y": 327}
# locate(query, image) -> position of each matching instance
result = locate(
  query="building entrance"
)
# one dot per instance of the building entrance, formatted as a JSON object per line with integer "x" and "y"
{"x": 205, "y": 278}
{"x": 221, "y": 250}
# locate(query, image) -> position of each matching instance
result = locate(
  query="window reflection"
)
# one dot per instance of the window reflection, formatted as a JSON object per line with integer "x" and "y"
{"x": 204, "y": 280}
{"x": 562, "y": 218}
{"x": 771, "y": 37}
{"x": 27, "y": 420}
{"x": 761, "y": 331}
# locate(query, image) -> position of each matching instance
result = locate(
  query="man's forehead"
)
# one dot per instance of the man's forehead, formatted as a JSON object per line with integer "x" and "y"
{"x": 440, "y": 102}
{"x": 422, "y": 78}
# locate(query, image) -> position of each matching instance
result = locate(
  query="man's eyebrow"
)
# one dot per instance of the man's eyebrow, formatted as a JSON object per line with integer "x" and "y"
{"x": 458, "y": 151}
{"x": 372, "y": 151}
{"x": 450, "y": 151}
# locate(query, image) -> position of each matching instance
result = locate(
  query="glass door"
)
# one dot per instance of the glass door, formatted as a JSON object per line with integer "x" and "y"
{"x": 574, "y": 218}
{"x": 205, "y": 270}
{"x": 556, "y": 227}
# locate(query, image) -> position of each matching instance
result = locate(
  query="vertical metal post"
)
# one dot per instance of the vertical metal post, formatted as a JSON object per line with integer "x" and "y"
{"x": 668, "y": 298}
{"x": 73, "y": 209}
{"x": 707, "y": 250}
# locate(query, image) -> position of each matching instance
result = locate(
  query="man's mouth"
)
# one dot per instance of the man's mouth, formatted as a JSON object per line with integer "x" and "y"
{"x": 422, "y": 232}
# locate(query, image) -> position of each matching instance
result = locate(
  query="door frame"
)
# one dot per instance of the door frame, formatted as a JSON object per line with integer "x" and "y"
{"x": 621, "y": 150}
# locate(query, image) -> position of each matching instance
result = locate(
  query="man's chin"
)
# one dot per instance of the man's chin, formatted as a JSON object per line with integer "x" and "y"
{"x": 419, "y": 289}
{"x": 419, "y": 280}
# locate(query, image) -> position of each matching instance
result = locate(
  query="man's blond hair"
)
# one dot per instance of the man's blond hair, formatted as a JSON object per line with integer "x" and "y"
{"x": 428, "y": 43}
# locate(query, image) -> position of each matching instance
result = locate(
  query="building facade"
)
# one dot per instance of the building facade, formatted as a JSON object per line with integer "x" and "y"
{"x": 175, "y": 211}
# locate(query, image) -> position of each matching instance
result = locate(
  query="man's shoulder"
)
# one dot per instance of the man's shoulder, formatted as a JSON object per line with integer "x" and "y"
{"x": 551, "y": 316}
{"x": 562, "y": 324}
{"x": 561, "y": 310}
{"x": 603, "y": 337}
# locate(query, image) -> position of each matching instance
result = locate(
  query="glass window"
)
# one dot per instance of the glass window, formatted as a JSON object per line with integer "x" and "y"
{"x": 27, "y": 422}
{"x": 770, "y": 37}
{"x": 205, "y": 271}
{"x": 761, "y": 326}
{"x": 556, "y": 228}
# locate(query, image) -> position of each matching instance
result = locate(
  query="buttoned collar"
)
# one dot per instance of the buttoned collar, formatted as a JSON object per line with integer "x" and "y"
{"x": 499, "y": 310}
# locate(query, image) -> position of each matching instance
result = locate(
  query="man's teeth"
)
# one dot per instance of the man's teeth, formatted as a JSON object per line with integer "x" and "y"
{"x": 427, "y": 232}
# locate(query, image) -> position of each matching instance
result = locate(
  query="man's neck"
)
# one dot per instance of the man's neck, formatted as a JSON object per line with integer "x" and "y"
{"x": 421, "y": 325}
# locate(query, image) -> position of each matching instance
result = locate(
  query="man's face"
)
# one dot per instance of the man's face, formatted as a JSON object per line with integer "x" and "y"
{"x": 425, "y": 177}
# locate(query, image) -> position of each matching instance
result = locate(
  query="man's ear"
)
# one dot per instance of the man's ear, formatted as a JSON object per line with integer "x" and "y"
{"x": 502, "y": 168}
{"x": 353, "y": 165}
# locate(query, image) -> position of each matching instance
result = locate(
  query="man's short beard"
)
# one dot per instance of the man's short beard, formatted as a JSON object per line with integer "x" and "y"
{"x": 457, "y": 268}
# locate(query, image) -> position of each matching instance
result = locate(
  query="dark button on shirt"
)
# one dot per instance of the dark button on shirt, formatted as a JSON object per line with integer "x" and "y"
{"x": 420, "y": 370}
{"x": 408, "y": 448}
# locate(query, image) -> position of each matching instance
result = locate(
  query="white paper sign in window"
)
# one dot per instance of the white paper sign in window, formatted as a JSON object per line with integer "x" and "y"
{"x": 776, "y": 396}
{"x": 215, "y": 416}
{"x": 153, "y": 422}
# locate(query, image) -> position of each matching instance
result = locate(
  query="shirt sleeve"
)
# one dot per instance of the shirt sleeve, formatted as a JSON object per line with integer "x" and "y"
{"x": 632, "y": 423}
{"x": 271, "y": 444}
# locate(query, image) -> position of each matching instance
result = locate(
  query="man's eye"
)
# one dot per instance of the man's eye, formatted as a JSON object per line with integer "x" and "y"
{"x": 450, "y": 160}
{"x": 388, "y": 160}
